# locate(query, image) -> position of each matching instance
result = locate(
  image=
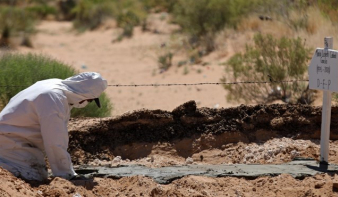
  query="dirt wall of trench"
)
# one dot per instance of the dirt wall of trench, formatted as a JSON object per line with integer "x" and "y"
{"x": 188, "y": 129}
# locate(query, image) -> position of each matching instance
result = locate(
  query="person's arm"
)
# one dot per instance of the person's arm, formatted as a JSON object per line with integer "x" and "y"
{"x": 55, "y": 138}
{"x": 53, "y": 122}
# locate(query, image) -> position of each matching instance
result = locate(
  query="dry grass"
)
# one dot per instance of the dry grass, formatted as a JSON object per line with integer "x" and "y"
{"x": 251, "y": 23}
{"x": 324, "y": 28}
{"x": 316, "y": 28}
{"x": 311, "y": 25}
{"x": 315, "y": 21}
{"x": 313, "y": 32}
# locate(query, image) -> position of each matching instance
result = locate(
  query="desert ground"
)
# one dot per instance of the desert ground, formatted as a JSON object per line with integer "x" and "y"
{"x": 176, "y": 125}
{"x": 131, "y": 61}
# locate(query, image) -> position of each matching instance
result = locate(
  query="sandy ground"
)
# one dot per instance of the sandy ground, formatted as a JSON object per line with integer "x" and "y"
{"x": 283, "y": 185}
{"x": 131, "y": 61}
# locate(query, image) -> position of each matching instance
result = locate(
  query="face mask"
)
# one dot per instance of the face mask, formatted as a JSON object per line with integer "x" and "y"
{"x": 82, "y": 105}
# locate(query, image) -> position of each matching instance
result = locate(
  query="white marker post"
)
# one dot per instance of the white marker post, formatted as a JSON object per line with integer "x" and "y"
{"x": 323, "y": 75}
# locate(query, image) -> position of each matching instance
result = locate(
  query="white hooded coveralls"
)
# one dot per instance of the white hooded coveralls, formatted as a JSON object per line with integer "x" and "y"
{"x": 35, "y": 121}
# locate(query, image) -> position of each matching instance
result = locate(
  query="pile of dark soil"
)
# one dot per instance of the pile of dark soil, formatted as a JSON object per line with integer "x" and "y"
{"x": 243, "y": 123}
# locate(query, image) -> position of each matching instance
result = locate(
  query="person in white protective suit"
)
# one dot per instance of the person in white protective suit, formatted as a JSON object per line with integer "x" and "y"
{"x": 34, "y": 124}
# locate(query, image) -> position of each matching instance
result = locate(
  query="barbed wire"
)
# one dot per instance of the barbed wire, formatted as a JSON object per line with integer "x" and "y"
{"x": 207, "y": 83}
{"x": 189, "y": 84}
{"x": 13, "y": 86}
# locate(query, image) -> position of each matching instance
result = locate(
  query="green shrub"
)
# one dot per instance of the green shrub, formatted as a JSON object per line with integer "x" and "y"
{"x": 89, "y": 14}
{"x": 165, "y": 61}
{"x": 42, "y": 11}
{"x": 200, "y": 17}
{"x": 130, "y": 13}
{"x": 16, "y": 20}
{"x": 19, "y": 71}
{"x": 269, "y": 59}
{"x": 127, "y": 20}
{"x": 91, "y": 110}
{"x": 203, "y": 19}
{"x": 160, "y": 5}
{"x": 65, "y": 8}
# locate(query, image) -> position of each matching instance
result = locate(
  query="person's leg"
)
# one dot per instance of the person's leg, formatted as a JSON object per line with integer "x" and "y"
{"x": 24, "y": 161}
{"x": 8, "y": 166}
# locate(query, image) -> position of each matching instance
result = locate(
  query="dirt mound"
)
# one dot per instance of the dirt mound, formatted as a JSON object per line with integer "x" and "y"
{"x": 134, "y": 135}
{"x": 12, "y": 186}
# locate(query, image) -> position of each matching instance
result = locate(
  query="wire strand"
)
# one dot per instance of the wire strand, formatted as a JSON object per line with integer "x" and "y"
{"x": 207, "y": 83}
{"x": 190, "y": 84}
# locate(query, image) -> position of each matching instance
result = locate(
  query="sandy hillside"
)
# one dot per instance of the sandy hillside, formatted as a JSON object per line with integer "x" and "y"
{"x": 131, "y": 61}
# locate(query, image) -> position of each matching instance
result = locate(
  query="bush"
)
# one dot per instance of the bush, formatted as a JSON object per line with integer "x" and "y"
{"x": 130, "y": 13}
{"x": 89, "y": 14}
{"x": 65, "y": 8}
{"x": 127, "y": 20}
{"x": 42, "y": 11}
{"x": 203, "y": 19}
{"x": 14, "y": 20}
{"x": 19, "y": 71}
{"x": 165, "y": 61}
{"x": 160, "y": 5}
{"x": 91, "y": 110}
{"x": 270, "y": 59}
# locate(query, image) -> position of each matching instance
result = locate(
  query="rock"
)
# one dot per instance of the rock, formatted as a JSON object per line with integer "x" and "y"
{"x": 96, "y": 162}
{"x": 189, "y": 160}
{"x": 117, "y": 159}
{"x": 294, "y": 154}
{"x": 150, "y": 159}
{"x": 320, "y": 184}
{"x": 77, "y": 195}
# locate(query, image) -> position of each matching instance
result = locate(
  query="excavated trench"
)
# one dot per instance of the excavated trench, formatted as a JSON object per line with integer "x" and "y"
{"x": 190, "y": 129}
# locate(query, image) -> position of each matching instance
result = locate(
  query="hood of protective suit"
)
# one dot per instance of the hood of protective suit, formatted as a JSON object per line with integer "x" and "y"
{"x": 87, "y": 85}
